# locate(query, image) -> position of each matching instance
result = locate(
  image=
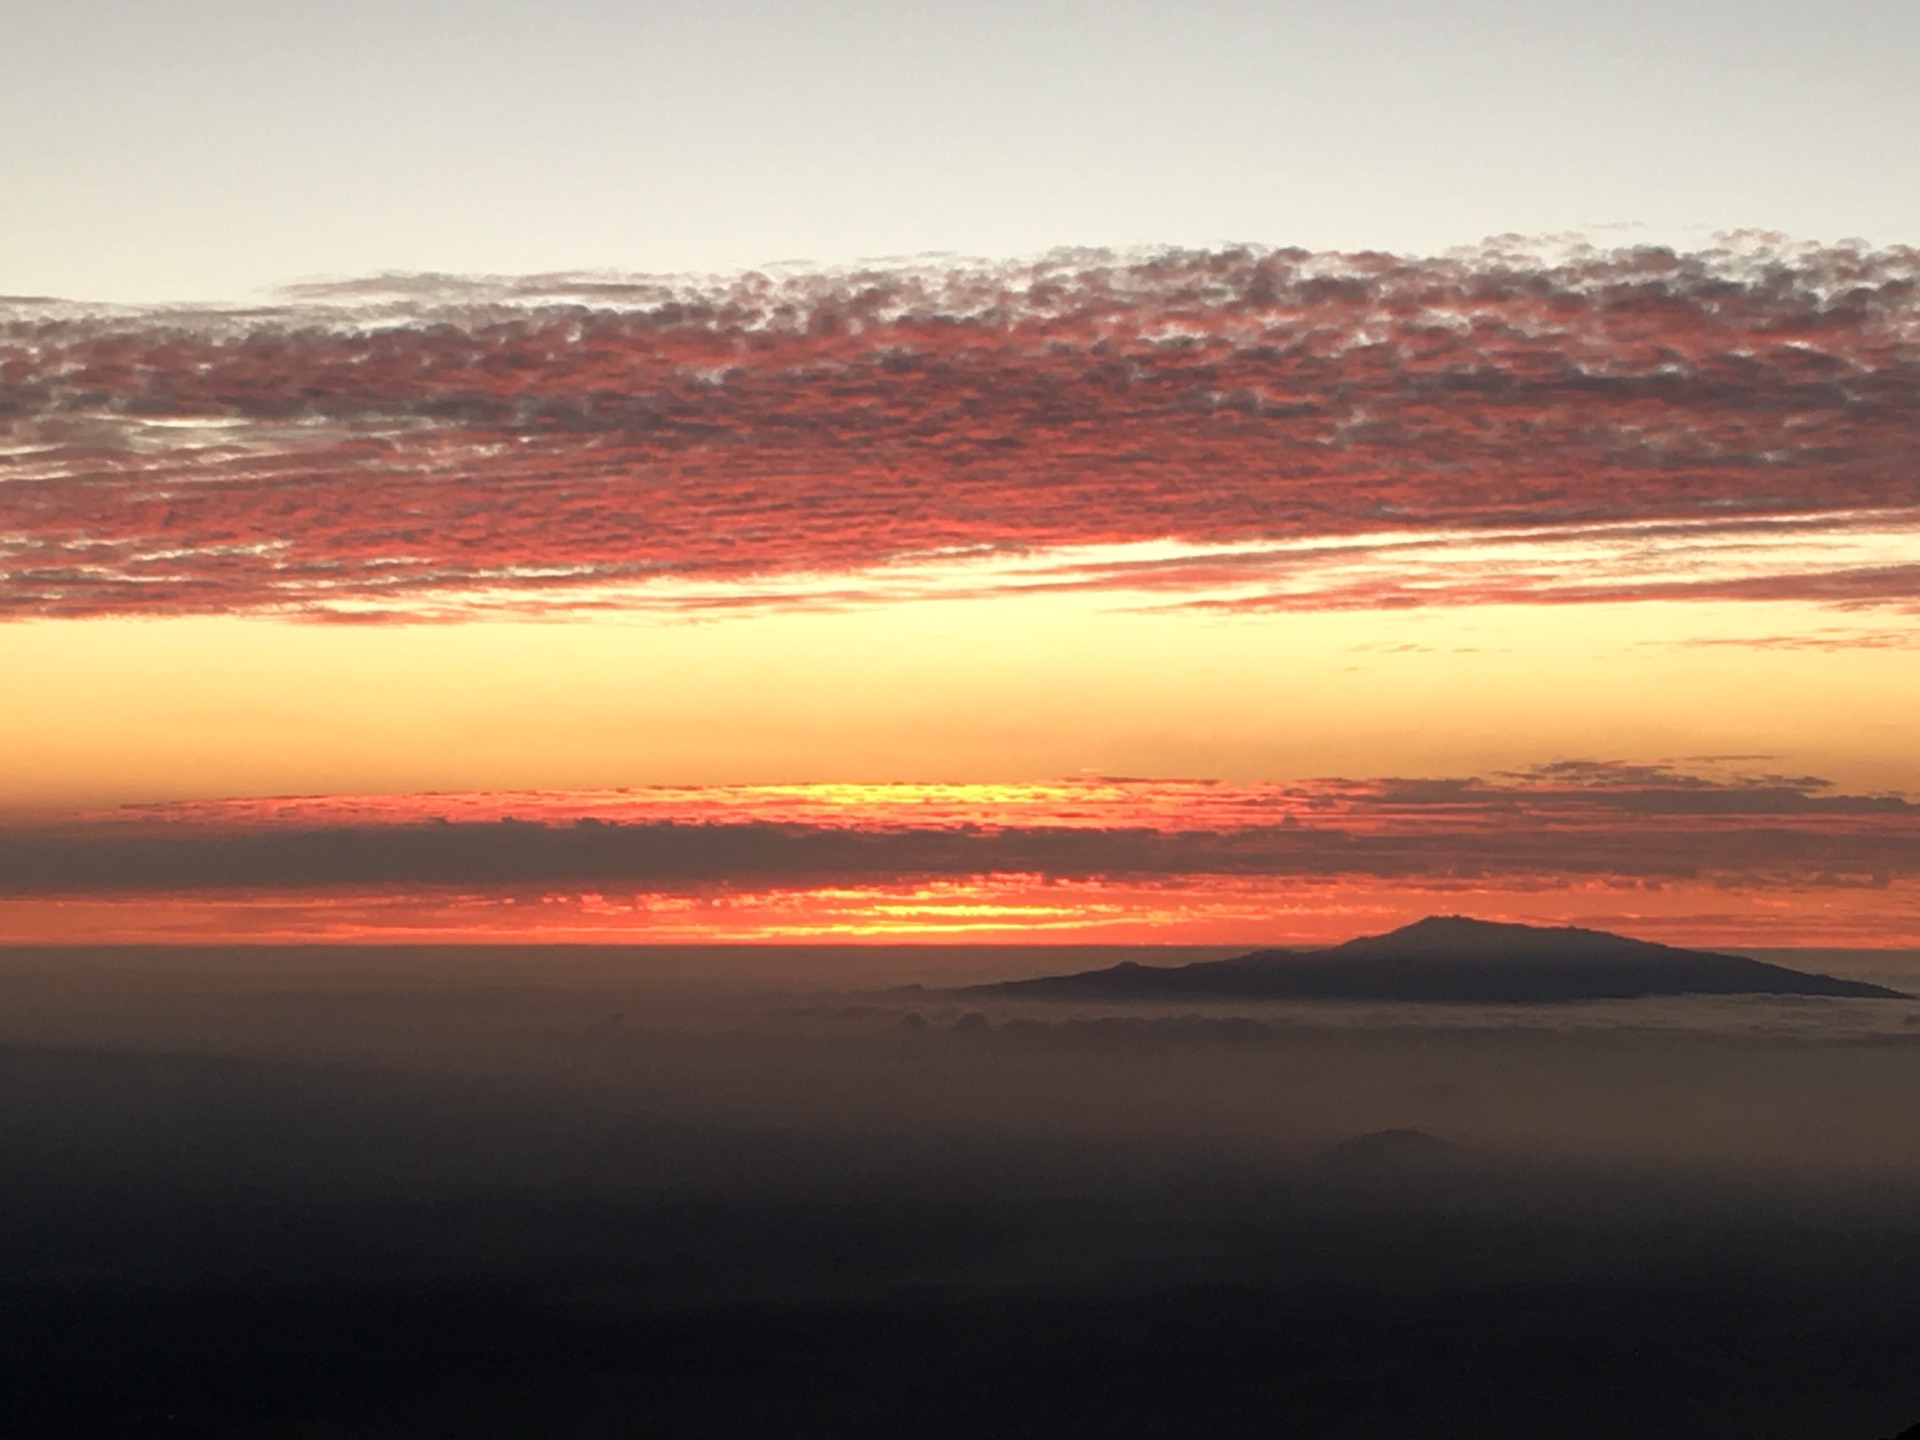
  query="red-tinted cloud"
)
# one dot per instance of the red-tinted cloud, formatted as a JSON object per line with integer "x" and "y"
{"x": 396, "y": 443}
{"x": 1570, "y": 821}
{"x": 1742, "y": 858}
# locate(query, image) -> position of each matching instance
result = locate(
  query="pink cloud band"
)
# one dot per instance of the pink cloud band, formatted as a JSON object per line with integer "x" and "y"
{"x": 441, "y": 447}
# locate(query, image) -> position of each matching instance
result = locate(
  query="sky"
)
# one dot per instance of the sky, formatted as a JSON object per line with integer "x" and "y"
{"x": 1216, "y": 474}
{"x": 207, "y": 149}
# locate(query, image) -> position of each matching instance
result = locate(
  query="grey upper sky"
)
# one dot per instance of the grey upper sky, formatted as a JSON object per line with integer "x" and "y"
{"x": 197, "y": 149}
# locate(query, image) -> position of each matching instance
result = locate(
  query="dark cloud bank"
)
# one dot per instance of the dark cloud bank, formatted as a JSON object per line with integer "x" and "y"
{"x": 584, "y": 1192}
{"x": 390, "y": 440}
{"x": 1643, "y": 824}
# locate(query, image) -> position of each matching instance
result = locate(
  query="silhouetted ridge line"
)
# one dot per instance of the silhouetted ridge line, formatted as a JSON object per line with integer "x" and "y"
{"x": 1452, "y": 959}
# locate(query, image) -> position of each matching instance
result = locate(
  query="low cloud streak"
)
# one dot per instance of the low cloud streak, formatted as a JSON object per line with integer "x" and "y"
{"x": 1574, "y": 821}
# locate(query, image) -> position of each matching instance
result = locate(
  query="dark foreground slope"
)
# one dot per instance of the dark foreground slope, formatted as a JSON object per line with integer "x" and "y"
{"x": 1397, "y": 1286}
{"x": 354, "y": 1194}
{"x": 1449, "y": 958}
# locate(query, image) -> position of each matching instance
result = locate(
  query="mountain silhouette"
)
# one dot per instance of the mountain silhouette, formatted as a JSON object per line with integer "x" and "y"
{"x": 1451, "y": 958}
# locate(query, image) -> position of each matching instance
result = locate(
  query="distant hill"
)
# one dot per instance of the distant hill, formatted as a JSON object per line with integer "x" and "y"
{"x": 1450, "y": 958}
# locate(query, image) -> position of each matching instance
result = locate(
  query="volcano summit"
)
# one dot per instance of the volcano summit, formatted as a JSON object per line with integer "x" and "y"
{"x": 1451, "y": 959}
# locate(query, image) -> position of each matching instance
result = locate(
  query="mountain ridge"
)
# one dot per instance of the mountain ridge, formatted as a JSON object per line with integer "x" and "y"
{"x": 1452, "y": 959}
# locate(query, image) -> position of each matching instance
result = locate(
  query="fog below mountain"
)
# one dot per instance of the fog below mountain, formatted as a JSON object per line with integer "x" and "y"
{"x": 608, "y": 1140}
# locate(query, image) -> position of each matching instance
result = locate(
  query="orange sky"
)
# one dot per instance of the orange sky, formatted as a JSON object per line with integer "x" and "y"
{"x": 1230, "y": 523}
{"x": 1005, "y": 689}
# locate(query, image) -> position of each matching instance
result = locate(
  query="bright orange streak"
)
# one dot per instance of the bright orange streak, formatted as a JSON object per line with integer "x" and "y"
{"x": 1164, "y": 805}
{"x": 1206, "y": 910}
{"x": 1569, "y": 798}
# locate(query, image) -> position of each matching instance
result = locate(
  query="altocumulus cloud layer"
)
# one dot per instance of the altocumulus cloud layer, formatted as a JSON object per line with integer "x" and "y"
{"x": 1287, "y": 428}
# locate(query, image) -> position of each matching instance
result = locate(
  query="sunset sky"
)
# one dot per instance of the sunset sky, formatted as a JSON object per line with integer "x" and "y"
{"x": 1255, "y": 553}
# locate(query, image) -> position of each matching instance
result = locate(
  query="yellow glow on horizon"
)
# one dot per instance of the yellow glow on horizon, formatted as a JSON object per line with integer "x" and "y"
{"x": 1010, "y": 689}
